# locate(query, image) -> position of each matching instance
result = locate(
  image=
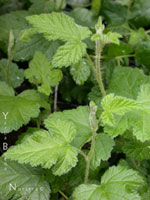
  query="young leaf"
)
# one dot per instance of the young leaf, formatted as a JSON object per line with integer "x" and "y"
{"x": 114, "y": 186}
{"x": 69, "y": 53}
{"x": 48, "y": 148}
{"x": 40, "y": 73}
{"x": 17, "y": 110}
{"x": 22, "y": 182}
{"x": 103, "y": 147}
{"x": 16, "y": 75}
{"x": 80, "y": 118}
{"x": 58, "y": 26}
{"x": 80, "y": 71}
{"x": 116, "y": 105}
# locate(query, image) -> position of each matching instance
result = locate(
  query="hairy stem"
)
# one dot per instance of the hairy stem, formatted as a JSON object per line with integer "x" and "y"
{"x": 91, "y": 62}
{"x": 89, "y": 157}
{"x": 98, "y": 67}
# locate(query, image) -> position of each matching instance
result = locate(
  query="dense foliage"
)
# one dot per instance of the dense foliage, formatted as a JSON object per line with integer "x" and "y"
{"x": 75, "y": 91}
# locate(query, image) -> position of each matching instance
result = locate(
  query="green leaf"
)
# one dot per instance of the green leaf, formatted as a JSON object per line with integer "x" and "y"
{"x": 140, "y": 122}
{"x": 68, "y": 54}
{"x": 124, "y": 2}
{"x": 14, "y": 21}
{"x": 137, "y": 37}
{"x": 78, "y": 3}
{"x": 115, "y": 50}
{"x": 120, "y": 126}
{"x": 140, "y": 13}
{"x": 111, "y": 37}
{"x": 18, "y": 110}
{"x": 25, "y": 50}
{"x": 80, "y": 118}
{"x": 38, "y": 6}
{"x": 116, "y": 105}
{"x": 40, "y": 72}
{"x": 114, "y": 13}
{"x": 102, "y": 151}
{"x": 6, "y": 89}
{"x": 96, "y": 5}
{"x": 95, "y": 95}
{"x": 22, "y": 182}
{"x": 142, "y": 54}
{"x": 46, "y": 6}
{"x": 114, "y": 184}
{"x": 48, "y": 148}
{"x": 141, "y": 118}
{"x": 137, "y": 150}
{"x": 126, "y": 81}
{"x": 58, "y": 26}
{"x": 81, "y": 71}
{"x": 83, "y": 16}
{"x": 33, "y": 95}
{"x": 30, "y": 131}
{"x": 16, "y": 75}
{"x": 8, "y": 6}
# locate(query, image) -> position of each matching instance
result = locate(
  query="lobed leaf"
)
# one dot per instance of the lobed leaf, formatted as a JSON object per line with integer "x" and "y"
{"x": 58, "y": 26}
{"x": 18, "y": 109}
{"x": 116, "y": 105}
{"x": 48, "y": 148}
{"x": 137, "y": 150}
{"x": 16, "y": 75}
{"x": 80, "y": 118}
{"x": 22, "y": 182}
{"x": 80, "y": 71}
{"x": 126, "y": 81}
{"x": 113, "y": 186}
{"x": 41, "y": 73}
{"x": 69, "y": 53}
{"x": 102, "y": 151}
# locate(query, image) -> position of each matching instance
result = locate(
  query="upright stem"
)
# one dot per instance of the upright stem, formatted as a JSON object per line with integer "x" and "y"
{"x": 55, "y": 97}
{"x": 8, "y": 70}
{"x": 98, "y": 67}
{"x": 89, "y": 157}
{"x": 94, "y": 126}
{"x": 63, "y": 195}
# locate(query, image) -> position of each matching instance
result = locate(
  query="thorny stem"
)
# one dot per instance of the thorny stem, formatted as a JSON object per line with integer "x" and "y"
{"x": 55, "y": 97}
{"x": 98, "y": 67}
